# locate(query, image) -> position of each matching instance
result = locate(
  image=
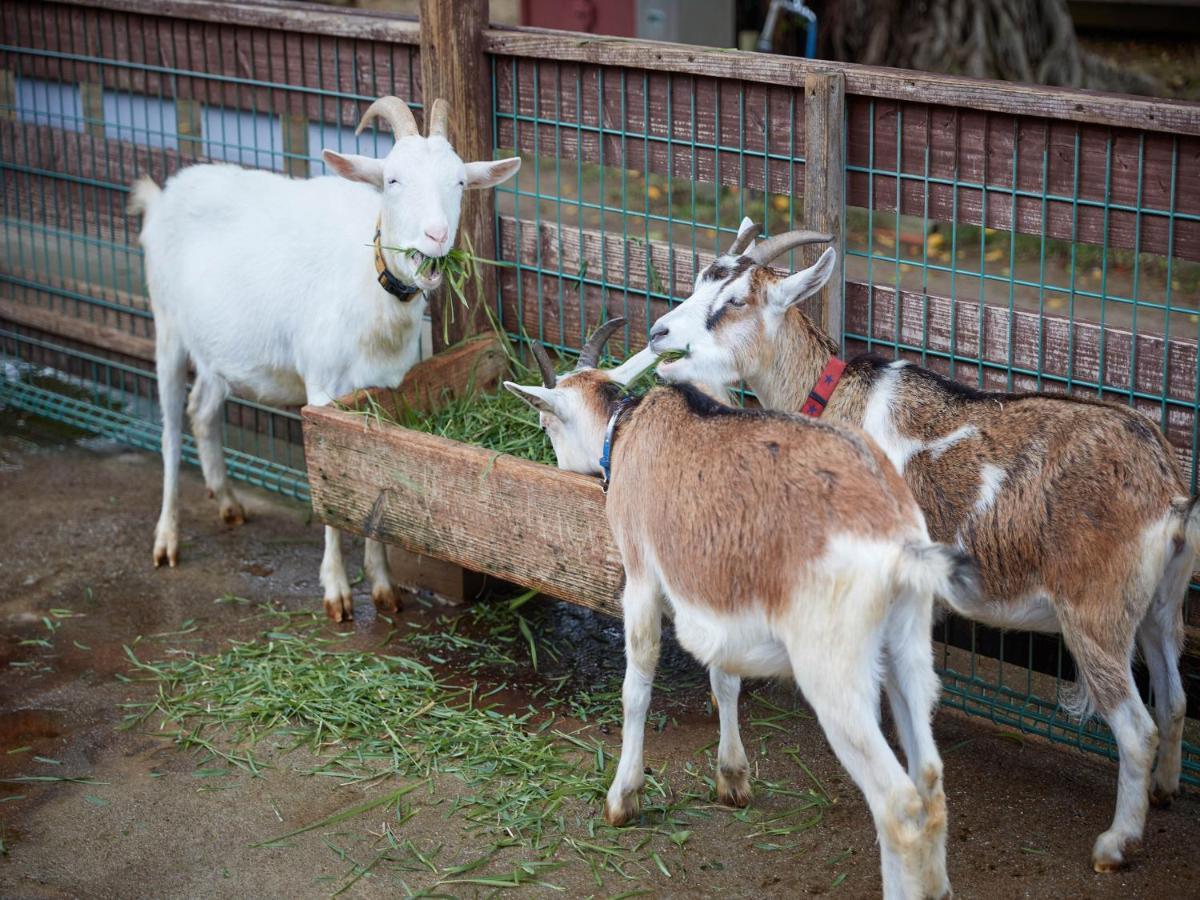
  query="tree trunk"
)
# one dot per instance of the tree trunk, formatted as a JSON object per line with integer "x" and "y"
{"x": 1014, "y": 40}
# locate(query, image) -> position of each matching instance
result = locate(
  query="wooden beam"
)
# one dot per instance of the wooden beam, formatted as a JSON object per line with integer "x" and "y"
{"x": 824, "y": 176}
{"x": 455, "y": 67}
{"x": 77, "y": 329}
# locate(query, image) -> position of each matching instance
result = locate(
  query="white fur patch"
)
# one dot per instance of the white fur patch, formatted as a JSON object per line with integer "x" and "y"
{"x": 942, "y": 444}
{"x": 878, "y": 421}
{"x": 991, "y": 479}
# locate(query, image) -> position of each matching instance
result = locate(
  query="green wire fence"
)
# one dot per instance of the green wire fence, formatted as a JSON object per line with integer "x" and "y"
{"x": 1013, "y": 238}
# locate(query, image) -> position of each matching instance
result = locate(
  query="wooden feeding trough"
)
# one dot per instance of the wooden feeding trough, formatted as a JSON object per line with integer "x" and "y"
{"x": 485, "y": 511}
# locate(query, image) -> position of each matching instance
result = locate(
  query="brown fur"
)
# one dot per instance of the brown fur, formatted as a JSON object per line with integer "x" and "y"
{"x": 1082, "y": 480}
{"x": 715, "y": 469}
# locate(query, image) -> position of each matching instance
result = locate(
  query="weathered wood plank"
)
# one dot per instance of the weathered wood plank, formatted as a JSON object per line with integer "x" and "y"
{"x": 493, "y": 513}
{"x": 1180, "y": 117}
{"x": 94, "y": 334}
{"x": 824, "y": 177}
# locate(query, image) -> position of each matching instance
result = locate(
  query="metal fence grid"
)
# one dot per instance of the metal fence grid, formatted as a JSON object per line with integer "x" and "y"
{"x": 1013, "y": 252}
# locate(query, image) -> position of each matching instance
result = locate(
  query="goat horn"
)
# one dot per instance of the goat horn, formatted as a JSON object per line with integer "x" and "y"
{"x": 590, "y": 354}
{"x": 744, "y": 239}
{"x": 437, "y": 117}
{"x": 765, "y": 251}
{"x": 395, "y": 112}
{"x": 549, "y": 378}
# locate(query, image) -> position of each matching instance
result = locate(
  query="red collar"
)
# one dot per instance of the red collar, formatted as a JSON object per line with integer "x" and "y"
{"x": 819, "y": 396}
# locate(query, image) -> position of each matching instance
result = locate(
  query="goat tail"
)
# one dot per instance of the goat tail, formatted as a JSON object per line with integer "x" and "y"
{"x": 1189, "y": 510}
{"x": 143, "y": 194}
{"x": 931, "y": 568}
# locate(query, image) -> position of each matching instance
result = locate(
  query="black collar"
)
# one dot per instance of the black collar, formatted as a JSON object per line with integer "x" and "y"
{"x": 387, "y": 280}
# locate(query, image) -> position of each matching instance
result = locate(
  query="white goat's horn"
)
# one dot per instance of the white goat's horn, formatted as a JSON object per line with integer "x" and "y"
{"x": 766, "y": 250}
{"x": 395, "y": 112}
{"x": 437, "y": 118}
{"x": 590, "y": 354}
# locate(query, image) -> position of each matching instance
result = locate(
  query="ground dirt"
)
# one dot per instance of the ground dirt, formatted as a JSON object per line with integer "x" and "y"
{"x": 76, "y": 522}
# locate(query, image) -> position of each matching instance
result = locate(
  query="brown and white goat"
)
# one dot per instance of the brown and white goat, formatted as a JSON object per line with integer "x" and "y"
{"x": 784, "y": 547}
{"x": 1073, "y": 508}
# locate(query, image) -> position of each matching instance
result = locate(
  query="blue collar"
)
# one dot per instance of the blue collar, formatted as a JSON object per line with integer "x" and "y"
{"x": 609, "y": 433}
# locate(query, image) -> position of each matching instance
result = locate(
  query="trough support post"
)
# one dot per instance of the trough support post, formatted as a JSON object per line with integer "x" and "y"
{"x": 824, "y": 181}
{"x": 454, "y": 65}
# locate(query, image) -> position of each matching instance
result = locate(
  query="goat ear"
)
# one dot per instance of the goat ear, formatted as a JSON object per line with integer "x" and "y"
{"x": 490, "y": 174}
{"x": 543, "y": 399}
{"x": 804, "y": 283}
{"x": 366, "y": 169}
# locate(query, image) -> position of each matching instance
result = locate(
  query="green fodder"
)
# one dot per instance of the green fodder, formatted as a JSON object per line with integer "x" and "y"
{"x": 526, "y": 785}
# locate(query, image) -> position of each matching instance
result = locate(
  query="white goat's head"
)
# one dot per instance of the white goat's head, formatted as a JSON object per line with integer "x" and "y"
{"x": 574, "y": 409}
{"x": 737, "y": 304}
{"x": 421, "y": 181}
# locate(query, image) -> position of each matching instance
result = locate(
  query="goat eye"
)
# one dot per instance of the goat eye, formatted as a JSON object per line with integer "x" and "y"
{"x": 736, "y": 301}
{"x": 393, "y": 181}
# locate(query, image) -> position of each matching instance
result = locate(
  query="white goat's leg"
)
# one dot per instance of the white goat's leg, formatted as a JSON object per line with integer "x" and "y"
{"x": 842, "y": 687}
{"x": 1160, "y": 637}
{"x": 375, "y": 562}
{"x": 339, "y": 605}
{"x": 643, "y": 631}
{"x": 170, "y": 361}
{"x": 1137, "y": 739}
{"x": 733, "y": 769}
{"x": 205, "y": 406}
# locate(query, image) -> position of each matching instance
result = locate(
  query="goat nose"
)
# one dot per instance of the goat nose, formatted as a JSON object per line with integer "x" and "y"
{"x": 659, "y": 331}
{"x": 437, "y": 235}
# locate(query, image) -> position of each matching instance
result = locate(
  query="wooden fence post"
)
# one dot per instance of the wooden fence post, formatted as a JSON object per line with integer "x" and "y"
{"x": 190, "y": 126}
{"x": 454, "y": 65}
{"x": 824, "y": 180}
{"x": 8, "y": 95}
{"x": 91, "y": 95}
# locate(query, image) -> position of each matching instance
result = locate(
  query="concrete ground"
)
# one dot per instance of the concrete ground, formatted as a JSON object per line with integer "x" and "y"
{"x": 77, "y": 586}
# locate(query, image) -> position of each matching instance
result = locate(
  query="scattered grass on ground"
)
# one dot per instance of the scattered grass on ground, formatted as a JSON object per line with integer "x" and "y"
{"x": 525, "y": 784}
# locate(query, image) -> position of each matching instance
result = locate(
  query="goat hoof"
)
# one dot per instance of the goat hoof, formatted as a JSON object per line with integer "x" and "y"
{"x": 1111, "y": 852}
{"x": 340, "y": 609}
{"x": 733, "y": 788}
{"x": 1161, "y": 797}
{"x": 624, "y": 810}
{"x": 385, "y": 598}
{"x": 232, "y": 513}
{"x": 166, "y": 550}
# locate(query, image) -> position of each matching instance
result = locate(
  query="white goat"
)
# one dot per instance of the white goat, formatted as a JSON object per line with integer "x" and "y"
{"x": 269, "y": 285}
{"x": 1073, "y": 508}
{"x": 784, "y": 547}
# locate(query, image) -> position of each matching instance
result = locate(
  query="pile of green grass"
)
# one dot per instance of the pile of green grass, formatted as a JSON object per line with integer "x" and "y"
{"x": 496, "y": 420}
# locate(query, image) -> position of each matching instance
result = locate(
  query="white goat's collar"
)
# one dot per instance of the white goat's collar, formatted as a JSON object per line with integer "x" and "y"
{"x": 388, "y": 281}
